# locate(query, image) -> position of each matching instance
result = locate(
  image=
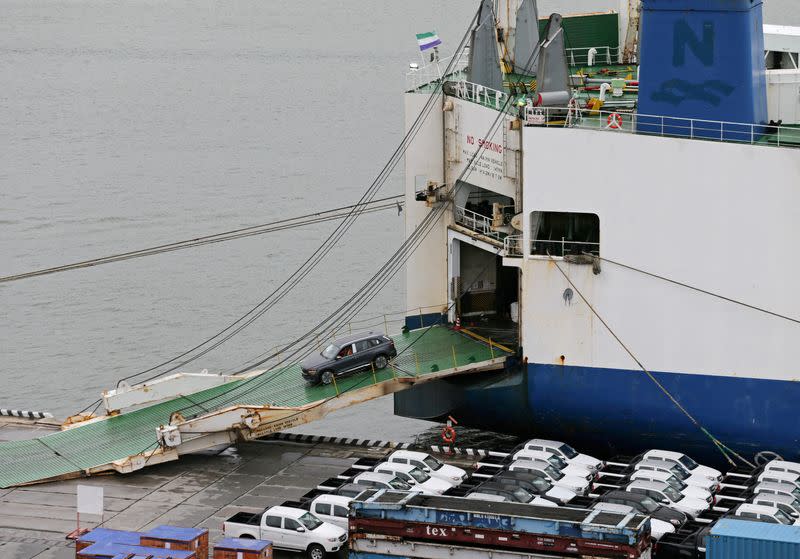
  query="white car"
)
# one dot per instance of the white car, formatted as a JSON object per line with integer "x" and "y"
{"x": 332, "y": 508}
{"x": 540, "y": 485}
{"x": 386, "y": 481}
{"x": 787, "y": 503}
{"x": 762, "y": 513}
{"x": 677, "y": 458}
{"x": 696, "y": 480}
{"x": 566, "y": 453}
{"x": 435, "y": 468}
{"x": 772, "y": 488}
{"x": 555, "y": 461}
{"x": 665, "y": 477}
{"x": 782, "y": 466}
{"x": 666, "y": 495}
{"x": 418, "y": 479}
{"x": 657, "y": 527}
{"x": 293, "y": 529}
{"x": 579, "y": 485}
{"x": 779, "y": 477}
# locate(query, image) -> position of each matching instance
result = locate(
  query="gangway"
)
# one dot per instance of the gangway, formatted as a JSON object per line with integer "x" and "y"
{"x": 241, "y": 409}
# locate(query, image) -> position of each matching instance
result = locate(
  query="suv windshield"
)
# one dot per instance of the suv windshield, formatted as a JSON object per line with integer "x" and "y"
{"x": 310, "y": 521}
{"x": 687, "y": 462}
{"x": 522, "y": 495}
{"x": 782, "y": 518}
{"x": 419, "y": 475}
{"x": 568, "y": 451}
{"x": 649, "y": 504}
{"x": 672, "y": 494}
{"x": 541, "y": 484}
{"x": 330, "y": 351}
{"x": 557, "y": 462}
{"x": 432, "y": 463}
{"x": 553, "y": 473}
{"x": 398, "y": 483}
{"x": 679, "y": 472}
{"x": 676, "y": 483}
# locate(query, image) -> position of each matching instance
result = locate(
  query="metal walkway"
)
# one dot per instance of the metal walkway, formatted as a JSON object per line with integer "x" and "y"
{"x": 238, "y": 410}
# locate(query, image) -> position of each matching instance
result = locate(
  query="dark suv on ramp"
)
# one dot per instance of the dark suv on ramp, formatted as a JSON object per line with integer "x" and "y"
{"x": 348, "y": 355}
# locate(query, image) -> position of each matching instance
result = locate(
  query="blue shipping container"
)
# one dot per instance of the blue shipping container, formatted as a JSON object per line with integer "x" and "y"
{"x": 175, "y": 533}
{"x": 242, "y": 544}
{"x": 108, "y": 550}
{"x": 112, "y": 536}
{"x": 744, "y": 539}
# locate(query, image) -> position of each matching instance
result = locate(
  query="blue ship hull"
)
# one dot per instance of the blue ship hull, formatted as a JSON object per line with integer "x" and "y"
{"x": 612, "y": 411}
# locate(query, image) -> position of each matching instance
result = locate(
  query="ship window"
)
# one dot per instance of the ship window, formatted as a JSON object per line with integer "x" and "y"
{"x": 564, "y": 233}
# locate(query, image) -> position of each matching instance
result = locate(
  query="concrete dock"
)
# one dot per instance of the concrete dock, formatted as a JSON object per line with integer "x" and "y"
{"x": 199, "y": 490}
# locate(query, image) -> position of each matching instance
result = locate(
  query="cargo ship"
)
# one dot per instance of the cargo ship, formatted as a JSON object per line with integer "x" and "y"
{"x": 623, "y": 201}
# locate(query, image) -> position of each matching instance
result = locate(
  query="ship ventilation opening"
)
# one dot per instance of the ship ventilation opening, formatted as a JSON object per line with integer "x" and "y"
{"x": 565, "y": 234}
{"x": 485, "y": 293}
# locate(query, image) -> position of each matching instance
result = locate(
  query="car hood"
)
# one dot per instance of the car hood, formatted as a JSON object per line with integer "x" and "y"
{"x": 451, "y": 473}
{"x": 590, "y": 461}
{"x": 314, "y": 361}
{"x": 692, "y": 504}
{"x": 694, "y": 492}
{"x": 668, "y": 515}
{"x": 561, "y": 493}
{"x": 658, "y": 528}
{"x": 578, "y": 470}
{"x": 572, "y": 481}
{"x": 542, "y": 502}
{"x": 328, "y": 530}
{"x": 700, "y": 481}
{"x": 710, "y": 473}
{"x": 436, "y": 485}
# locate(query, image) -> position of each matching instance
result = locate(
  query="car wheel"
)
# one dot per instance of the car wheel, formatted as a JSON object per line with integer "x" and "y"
{"x": 381, "y": 362}
{"x": 326, "y": 377}
{"x": 316, "y": 551}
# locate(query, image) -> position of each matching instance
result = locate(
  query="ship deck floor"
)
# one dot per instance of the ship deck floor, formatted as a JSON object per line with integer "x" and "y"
{"x": 100, "y": 442}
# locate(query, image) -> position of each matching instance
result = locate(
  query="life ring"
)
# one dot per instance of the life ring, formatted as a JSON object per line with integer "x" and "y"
{"x": 614, "y": 121}
{"x": 448, "y": 434}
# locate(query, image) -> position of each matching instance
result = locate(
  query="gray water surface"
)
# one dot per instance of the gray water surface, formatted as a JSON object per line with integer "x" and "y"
{"x": 124, "y": 125}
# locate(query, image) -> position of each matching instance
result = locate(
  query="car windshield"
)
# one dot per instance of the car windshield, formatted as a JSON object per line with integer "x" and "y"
{"x": 649, "y": 504}
{"x": 398, "y": 483}
{"x": 679, "y": 472}
{"x": 522, "y": 495}
{"x": 419, "y": 475}
{"x": 310, "y": 521}
{"x": 541, "y": 484}
{"x": 676, "y": 483}
{"x": 781, "y": 517}
{"x": 568, "y": 451}
{"x": 330, "y": 351}
{"x": 688, "y": 463}
{"x": 553, "y": 473}
{"x": 432, "y": 463}
{"x": 557, "y": 462}
{"x": 672, "y": 494}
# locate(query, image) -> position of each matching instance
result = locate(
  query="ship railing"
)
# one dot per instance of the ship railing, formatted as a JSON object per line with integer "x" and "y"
{"x": 512, "y": 247}
{"x": 605, "y": 54}
{"x": 476, "y": 93}
{"x": 622, "y": 121}
{"x": 420, "y": 76}
{"x": 476, "y": 222}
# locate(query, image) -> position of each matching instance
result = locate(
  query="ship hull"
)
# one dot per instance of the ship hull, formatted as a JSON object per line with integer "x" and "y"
{"x": 614, "y": 411}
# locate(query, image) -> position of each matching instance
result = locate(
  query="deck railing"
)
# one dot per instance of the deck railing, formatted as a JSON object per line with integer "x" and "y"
{"x": 476, "y": 222}
{"x": 605, "y": 55}
{"x": 419, "y": 77}
{"x": 513, "y": 244}
{"x": 659, "y": 125}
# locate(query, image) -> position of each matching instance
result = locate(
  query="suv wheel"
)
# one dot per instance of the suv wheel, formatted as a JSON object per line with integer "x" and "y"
{"x": 326, "y": 377}
{"x": 316, "y": 551}
{"x": 381, "y": 362}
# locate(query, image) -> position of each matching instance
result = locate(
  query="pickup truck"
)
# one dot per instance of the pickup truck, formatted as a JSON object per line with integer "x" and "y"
{"x": 288, "y": 528}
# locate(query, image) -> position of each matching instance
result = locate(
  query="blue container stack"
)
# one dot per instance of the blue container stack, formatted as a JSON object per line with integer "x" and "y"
{"x": 744, "y": 539}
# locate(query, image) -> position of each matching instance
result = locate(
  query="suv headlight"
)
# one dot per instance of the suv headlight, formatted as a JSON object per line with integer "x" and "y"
{"x": 334, "y": 540}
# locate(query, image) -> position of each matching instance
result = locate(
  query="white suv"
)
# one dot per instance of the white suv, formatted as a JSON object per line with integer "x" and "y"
{"x": 385, "y": 481}
{"x": 578, "y": 484}
{"x": 666, "y": 495}
{"x": 678, "y": 458}
{"x": 778, "y": 477}
{"x": 426, "y": 462}
{"x": 665, "y": 477}
{"x": 679, "y": 472}
{"x": 657, "y": 527}
{"x": 762, "y": 513}
{"x": 555, "y": 461}
{"x": 299, "y": 530}
{"x": 565, "y": 452}
{"x": 418, "y": 479}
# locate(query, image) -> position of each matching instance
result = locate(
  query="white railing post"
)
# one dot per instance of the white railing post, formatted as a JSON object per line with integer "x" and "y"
{"x": 691, "y": 128}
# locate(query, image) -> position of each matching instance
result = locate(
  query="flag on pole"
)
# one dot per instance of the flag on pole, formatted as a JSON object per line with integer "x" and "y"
{"x": 428, "y": 40}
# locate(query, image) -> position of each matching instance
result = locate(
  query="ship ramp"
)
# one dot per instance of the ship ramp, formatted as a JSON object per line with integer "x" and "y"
{"x": 236, "y": 409}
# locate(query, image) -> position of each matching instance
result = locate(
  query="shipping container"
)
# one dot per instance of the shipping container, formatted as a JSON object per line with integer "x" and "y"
{"x": 108, "y": 550}
{"x": 106, "y": 535}
{"x": 744, "y": 539}
{"x": 499, "y": 525}
{"x": 241, "y": 548}
{"x": 176, "y": 537}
